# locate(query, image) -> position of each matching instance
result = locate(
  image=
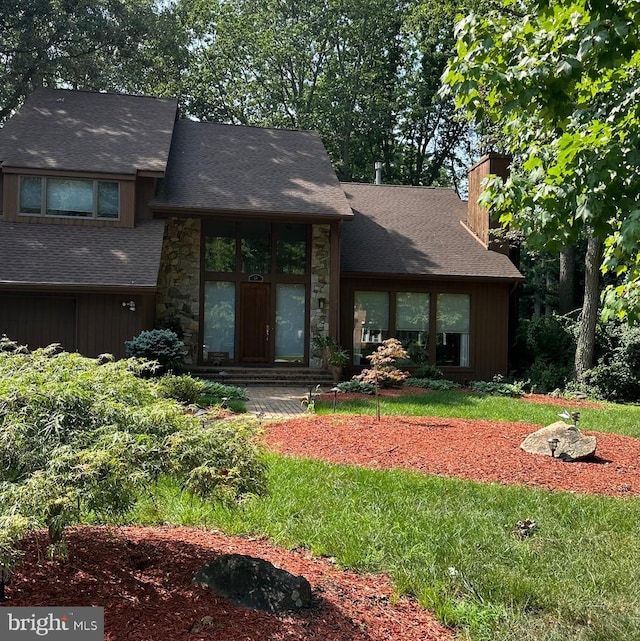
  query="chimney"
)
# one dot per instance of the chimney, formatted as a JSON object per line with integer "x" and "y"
{"x": 478, "y": 217}
{"x": 379, "y": 165}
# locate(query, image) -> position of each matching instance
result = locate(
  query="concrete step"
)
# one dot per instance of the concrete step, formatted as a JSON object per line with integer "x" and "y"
{"x": 265, "y": 376}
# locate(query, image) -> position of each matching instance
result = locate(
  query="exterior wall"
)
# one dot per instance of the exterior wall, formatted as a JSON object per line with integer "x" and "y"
{"x": 178, "y": 297}
{"x": 320, "y": 300}
{"x": 127, "y": 202}
{"x": 478, "y": 217}
{"x": 91, "y": 324}
{"x": 489, "y": 327}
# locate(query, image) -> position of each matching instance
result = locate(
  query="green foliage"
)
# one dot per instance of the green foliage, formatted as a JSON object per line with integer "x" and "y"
{"x": 616, "y": 376}
{"x": 383, "y": 371}
{"x": 82, "y": 436}
{"x": 431, "y": 383}
{"x": 365, "y": 75}
{"x": 498, "y": 386}
{"x": 427, "y": 371}
{"x": 230, "y": 396}
{"x": 160, "y": 345}
{"x": 559, "y": 80}
{"x": 131, "y": 45}
{"x": 184, "y": 389}
{"x": 328, "y": 349}
{"x": 547, "y": 346}
{"x": 356, "y": 387}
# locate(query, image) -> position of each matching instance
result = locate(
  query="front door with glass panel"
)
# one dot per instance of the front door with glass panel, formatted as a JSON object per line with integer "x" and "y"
{"x": 256, "y": 284}
{"x": 255, "y": 318}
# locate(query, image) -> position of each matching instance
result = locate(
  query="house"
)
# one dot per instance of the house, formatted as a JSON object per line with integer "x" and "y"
{"x": 117, "y": 216}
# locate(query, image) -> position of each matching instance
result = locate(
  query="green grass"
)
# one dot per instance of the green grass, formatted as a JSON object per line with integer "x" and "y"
{"x": 619, "y": 419}
{"x": 450, "y": 543}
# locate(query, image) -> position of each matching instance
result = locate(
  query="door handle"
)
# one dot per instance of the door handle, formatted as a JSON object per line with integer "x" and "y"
{"x": 267, "y": 332}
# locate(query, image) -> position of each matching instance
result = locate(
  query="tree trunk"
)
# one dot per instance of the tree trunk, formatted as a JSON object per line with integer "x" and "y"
{"x": 566, "y": 284}
{"x": 589, "y": 315}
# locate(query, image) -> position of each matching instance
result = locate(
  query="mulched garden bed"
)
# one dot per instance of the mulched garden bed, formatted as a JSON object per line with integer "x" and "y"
{"x": 474, "y": 450}
{"x": 142, "y": 577}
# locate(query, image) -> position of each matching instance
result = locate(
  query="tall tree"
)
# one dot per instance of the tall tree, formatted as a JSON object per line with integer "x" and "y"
{"x": 365, "y": 73}
{"x": 85, "y": 44}
{"x": 562, "y": 80}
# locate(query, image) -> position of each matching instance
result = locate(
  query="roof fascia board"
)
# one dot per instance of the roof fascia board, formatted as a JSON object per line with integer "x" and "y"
{"x": 190, "y": 212}
{"x": 76, "y": 288}
{"x": 430, "y": 277}
{"x": 31, "y": 171}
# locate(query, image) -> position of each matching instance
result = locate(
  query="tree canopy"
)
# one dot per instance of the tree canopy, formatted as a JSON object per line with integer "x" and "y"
{"x": 560, "y": 80}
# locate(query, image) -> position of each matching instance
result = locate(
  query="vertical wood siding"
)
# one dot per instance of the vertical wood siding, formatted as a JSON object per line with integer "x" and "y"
{"x": 91, "y": 324}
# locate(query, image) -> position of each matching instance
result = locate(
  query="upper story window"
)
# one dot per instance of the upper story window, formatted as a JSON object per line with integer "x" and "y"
{"x": 46, "y": 196}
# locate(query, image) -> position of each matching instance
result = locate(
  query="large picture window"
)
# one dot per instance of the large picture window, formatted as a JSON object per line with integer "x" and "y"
{"x": 219, "y": 320}
{"x": 370, "y": 324}
{"x": 412, "y": 324}
{"x": 66, "y": 197}
{"x": 434, "y": 328}
{"x": 453, "y": 311}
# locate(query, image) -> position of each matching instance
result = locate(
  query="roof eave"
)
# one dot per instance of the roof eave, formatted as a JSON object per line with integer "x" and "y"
{"x": 204, "y": 212}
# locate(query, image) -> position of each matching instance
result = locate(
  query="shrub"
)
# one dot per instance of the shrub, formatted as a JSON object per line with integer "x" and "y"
{"x": 499, "y": 387}
{"x": 80, "y": 437}
{"x": 183, "y": 388}
{"x": 356, "y": 387}
{"x": 160, "y": 345}
{"x": 427, "y": 371}
{"x": 383, "y": 371}
{"x": 439, "y": 385}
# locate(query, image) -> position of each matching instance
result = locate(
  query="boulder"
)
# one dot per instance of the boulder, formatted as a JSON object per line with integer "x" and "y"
{"x": 254, "y": 583}
{"x": 572, "y": 444}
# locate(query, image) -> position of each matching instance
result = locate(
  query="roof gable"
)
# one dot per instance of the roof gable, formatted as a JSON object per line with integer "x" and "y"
{"x": 415, "y": 231}
{"x": 233, "y": 168}
{"x": 81, "y": 131}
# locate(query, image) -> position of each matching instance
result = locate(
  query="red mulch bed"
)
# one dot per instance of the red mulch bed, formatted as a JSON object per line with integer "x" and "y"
{"x": 142, "y": 577}
{"x": 474, "y": 450}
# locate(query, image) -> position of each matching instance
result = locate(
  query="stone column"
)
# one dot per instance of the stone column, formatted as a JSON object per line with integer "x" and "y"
{"x": 320, "y": 270}
{"x": 178, "y": 298}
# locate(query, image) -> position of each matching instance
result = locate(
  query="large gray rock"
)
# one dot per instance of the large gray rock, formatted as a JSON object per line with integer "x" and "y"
{"x": 572, "y": 444}
{"x": 254, "y": 583}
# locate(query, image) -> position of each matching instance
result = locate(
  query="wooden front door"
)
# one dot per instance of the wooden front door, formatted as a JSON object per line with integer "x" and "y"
{"x": 255, "y": 316}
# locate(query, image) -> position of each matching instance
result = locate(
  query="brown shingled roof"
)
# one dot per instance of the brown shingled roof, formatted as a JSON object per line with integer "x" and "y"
{"x": 89, "y": 132}
{"x": 414, "y": 231}
{"x": 80, "y": 256}
{"x": 232, "y": 168}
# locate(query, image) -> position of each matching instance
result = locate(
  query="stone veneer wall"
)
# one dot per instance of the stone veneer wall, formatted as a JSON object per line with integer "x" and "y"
{"x": 178, "y": 295}
{"x": 320, "y": 282}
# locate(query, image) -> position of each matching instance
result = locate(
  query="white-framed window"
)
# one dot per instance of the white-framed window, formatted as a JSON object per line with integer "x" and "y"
{"x": 69, "y": 197}
{"x": 453, "y": 319}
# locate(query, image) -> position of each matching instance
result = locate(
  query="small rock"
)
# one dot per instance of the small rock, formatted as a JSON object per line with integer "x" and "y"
{"x": 254, "y": 583}
{"x": 572, "y": 444}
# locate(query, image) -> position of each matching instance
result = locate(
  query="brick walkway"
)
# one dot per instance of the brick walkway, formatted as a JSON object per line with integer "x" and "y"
{"x": 276, "y": 402}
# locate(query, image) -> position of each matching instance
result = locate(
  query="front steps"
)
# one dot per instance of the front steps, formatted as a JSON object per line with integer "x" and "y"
{"x": 304, "y": 377}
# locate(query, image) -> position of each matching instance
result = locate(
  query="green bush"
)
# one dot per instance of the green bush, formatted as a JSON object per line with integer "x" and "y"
{"x": 439, "y": 385}
{"x": 160, "y": 345}
{"x": 219, "y": 391}
{"x": 427, "y": 371}
{"x": 356, "y": 387}
{"x": 78, "y": 437}
{"x": 183, "y": 388}
{"x": 545, "y": 352}
{"x": 498, "y": 387}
